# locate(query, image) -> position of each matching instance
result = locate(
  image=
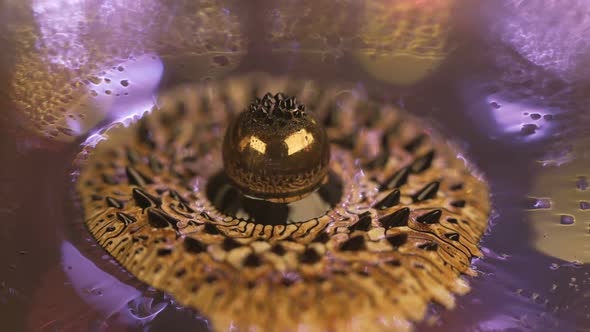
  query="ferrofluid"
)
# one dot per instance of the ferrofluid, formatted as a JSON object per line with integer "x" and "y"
{"x": 273, "y": 204}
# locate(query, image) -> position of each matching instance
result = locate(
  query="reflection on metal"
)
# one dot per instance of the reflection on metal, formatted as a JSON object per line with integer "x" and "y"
{"x": 399, "y": 42}
{"x": 253, "y": 142}
{"x": 68, "y": 53}
{"x": 298, "y": 141}
{"x": 404, "y": 41}
{"x": 563, "y": 229}
{"x": 276, "y": 150}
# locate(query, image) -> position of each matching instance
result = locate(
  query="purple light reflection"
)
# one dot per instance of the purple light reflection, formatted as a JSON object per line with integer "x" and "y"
{"x": 525, "y": 119}
{"x": 501, "y": 117}
{"x": 549, "y": 33}
{"x": 59, "y": 24}
{"x": 141, "y": 78}
{"x": 105, "y": 293}
{"x": 102, "y": 49}
{"x": 144, "y": 74}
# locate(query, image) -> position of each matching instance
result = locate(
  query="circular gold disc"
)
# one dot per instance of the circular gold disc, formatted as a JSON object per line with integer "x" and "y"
{"x": 407, "y": 224}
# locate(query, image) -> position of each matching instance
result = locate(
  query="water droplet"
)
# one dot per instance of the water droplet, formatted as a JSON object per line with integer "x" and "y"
{"x": 529, "y": 129}
{"x": 582, "y": 183}
{"x": 96, "y": 291}
{"x": 538, "y": 203}
{"x": 566, "y": 219}
{"x": 221, "y": 60}
{"x": 95, "y": 80}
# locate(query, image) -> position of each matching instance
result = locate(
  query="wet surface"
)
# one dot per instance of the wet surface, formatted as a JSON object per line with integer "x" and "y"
{"x": 510, "y": 87}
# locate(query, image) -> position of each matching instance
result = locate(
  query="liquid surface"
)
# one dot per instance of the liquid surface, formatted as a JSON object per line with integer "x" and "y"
{"x": 505, "y": 79}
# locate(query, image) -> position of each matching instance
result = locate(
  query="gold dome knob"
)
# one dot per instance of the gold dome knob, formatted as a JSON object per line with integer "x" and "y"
{"x": 275, "y": 150}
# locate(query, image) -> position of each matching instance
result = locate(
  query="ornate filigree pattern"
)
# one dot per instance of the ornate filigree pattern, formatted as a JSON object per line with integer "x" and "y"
{"x": 405, "y": 229}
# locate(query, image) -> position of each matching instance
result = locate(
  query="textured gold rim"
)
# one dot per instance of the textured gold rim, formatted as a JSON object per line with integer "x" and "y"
{"x": 408, "y": 224}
